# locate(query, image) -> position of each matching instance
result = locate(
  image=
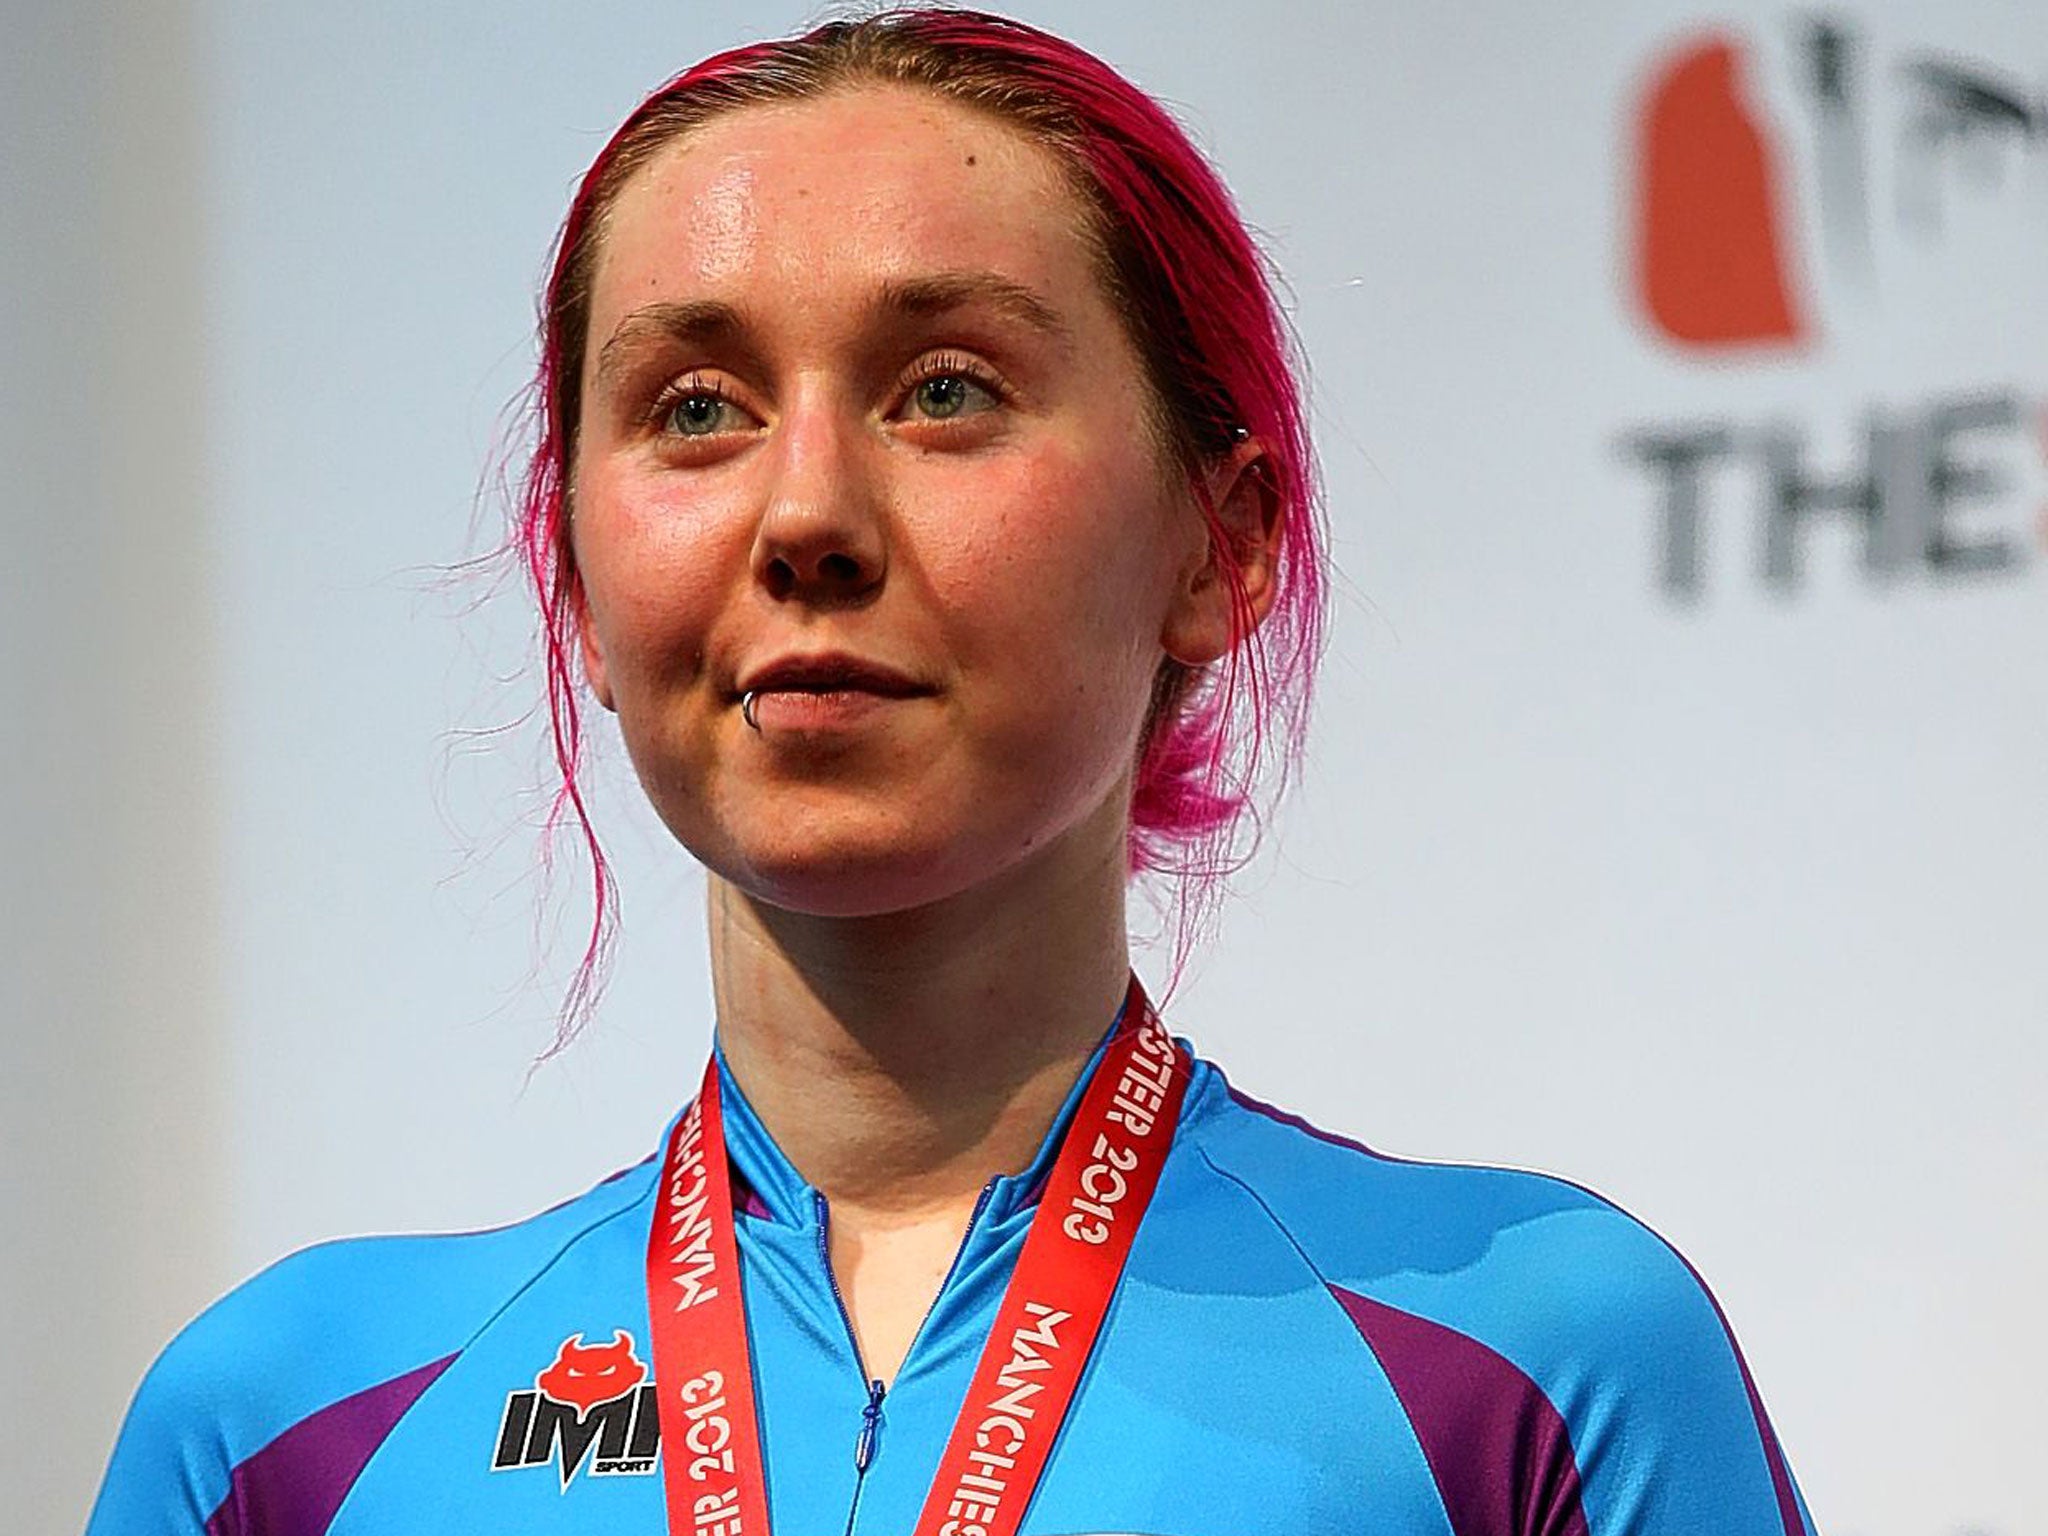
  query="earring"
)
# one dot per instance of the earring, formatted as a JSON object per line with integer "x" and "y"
{"x": 747, "y": 707}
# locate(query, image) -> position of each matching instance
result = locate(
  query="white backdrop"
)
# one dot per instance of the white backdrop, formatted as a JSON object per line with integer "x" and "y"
{"x": 1726, "y": 902}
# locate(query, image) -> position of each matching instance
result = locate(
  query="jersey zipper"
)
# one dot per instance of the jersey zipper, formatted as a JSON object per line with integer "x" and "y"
{"x": 864, "y": 1448}
{"x": 871, "y": 1411}
{"x": 974, "y": 1216}
{"x": 870, "y": 1427}
{"x": 870, "y": 1436}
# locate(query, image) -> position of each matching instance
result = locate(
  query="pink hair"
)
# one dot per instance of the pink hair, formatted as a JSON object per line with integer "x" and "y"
{"x": 1199, "y": 301}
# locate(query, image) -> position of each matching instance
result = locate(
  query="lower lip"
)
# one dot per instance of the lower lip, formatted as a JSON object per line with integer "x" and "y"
{"x": 840, "y": 709}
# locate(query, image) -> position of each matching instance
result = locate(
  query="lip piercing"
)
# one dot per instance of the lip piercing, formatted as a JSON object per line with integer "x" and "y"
{"x": 747, "y": 707}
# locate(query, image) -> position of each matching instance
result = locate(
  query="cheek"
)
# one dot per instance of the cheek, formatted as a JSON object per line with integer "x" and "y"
{"x": 654, "y": 567}
{"x": 1053, "y": 572}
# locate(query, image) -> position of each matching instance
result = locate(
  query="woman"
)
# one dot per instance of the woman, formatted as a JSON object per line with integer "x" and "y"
{"x": 922, "y": 484}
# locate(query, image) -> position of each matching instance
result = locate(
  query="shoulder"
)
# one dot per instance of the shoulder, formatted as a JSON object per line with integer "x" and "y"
{"x": 353, "y": 1312}
{"x": 1363, "y": 1218}
{"x": 1568, "y": 1330}
{"x": 350, "y": 1331}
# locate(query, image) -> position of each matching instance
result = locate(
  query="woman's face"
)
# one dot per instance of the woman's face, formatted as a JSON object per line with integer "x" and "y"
{"x": 861, "y": 428}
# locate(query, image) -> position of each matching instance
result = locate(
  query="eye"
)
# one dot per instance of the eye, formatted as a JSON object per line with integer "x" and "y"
{"x": 946, "y": 395}
{"x": 945, "y": 388}
{"x": 699, "y": 413}
{"x": 696, "y": 407}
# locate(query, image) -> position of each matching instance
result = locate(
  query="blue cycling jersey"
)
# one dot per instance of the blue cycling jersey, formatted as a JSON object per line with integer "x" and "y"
{"x": 1308, "y": 1338}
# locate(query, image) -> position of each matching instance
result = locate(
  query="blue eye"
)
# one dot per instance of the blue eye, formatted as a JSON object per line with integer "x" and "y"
{"x": 942, "y": 396}
{"x": 697, "y": 414}
{"x": 946, "y": 395}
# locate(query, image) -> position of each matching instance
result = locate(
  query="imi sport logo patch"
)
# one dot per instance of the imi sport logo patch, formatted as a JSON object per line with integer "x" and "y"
{"x": 593, "y": 1404}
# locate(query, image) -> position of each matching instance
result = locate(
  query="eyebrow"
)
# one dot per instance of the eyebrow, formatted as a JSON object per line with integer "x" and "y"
{"x": 940, "y": 292}
{"x": 705, "y": 321}
{"x": 701, "y": 321}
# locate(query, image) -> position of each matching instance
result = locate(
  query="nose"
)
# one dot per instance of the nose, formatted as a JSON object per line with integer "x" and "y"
{"x": 821, "y": 538}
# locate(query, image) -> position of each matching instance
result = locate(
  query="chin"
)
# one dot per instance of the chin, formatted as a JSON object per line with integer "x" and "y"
{"x": 869, "y": 859}
{"x": 847, "y": 884}
{"x": 839, "y": 869}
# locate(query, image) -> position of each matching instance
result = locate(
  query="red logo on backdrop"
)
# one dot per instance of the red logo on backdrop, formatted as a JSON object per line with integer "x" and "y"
{"x": 1726, "y": 195}
{"x": 592, "y": 1408}
{"x": 1710, "y": 246}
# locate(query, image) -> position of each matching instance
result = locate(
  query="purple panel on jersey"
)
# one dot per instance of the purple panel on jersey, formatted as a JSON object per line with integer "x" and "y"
{"x": 1774, "y": 1455}
{"x": 1497, "y": 1447}
{"x": 295, "y": 1484}
{"x": 746, "y": 1199}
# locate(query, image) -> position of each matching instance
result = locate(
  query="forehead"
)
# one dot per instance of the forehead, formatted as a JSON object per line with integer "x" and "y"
{"x": 802, "y": 203}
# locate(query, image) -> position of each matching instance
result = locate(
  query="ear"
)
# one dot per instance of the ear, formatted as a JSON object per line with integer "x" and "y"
{"x": 1201, "y": 625}
{"x": 587, "y": 642}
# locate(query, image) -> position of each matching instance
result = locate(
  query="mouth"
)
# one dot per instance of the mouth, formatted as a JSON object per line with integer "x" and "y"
{"x": 828, "y": 674}
{"x": 821, "y": 697}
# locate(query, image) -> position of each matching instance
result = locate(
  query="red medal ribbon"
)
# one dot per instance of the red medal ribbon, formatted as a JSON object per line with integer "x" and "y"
{"x": 711, "y": 1466}
{"x": 1045, "y": 1329}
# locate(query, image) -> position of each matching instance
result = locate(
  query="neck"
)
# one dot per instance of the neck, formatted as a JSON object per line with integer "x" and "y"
{"x": 902, "y": 1060}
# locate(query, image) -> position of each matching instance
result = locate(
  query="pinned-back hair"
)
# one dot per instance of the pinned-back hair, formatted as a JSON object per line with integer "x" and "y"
{"x": 1197, "y": 298}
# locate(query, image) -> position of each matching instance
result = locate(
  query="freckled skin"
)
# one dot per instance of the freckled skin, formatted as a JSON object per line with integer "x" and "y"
{"x": 1027, "y": 559}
